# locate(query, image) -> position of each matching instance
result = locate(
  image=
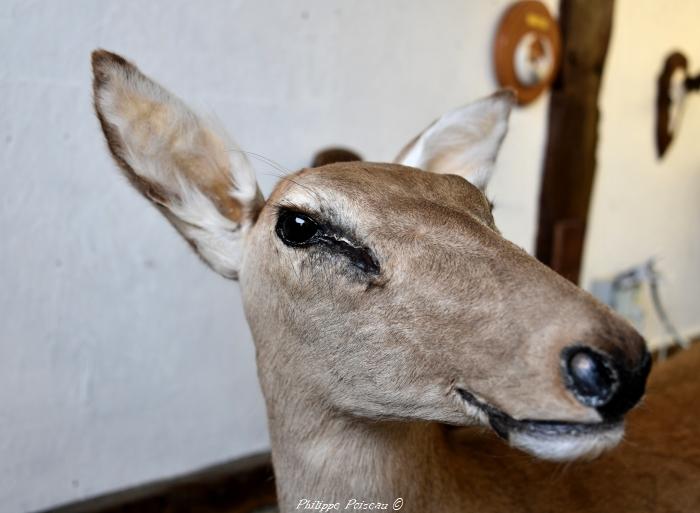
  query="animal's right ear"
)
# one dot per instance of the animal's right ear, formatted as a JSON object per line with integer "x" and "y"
{"x": 178, "y": 161}
{"x": 463, "y": 142}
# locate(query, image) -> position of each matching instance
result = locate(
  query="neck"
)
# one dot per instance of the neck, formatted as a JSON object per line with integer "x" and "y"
{"x": 322, "y": 455}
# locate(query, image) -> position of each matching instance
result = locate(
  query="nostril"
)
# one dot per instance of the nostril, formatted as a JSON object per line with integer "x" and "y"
{"x": 590, "y": 376}
{"x": 632, "y": 384}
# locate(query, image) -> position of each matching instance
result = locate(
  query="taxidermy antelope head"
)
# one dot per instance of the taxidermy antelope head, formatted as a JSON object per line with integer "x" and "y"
{"x": 379, "y": 293}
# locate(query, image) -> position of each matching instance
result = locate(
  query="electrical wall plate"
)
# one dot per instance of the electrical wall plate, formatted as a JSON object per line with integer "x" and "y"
{"x": 527, "y": 49}
{"x": 623, "y": 294}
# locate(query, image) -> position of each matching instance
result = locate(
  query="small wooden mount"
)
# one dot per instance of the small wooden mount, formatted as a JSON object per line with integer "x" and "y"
{"x": 673, "y": 84}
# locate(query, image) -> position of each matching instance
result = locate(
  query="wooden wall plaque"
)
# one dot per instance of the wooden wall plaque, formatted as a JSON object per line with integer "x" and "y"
{"x": 527, "y": 49}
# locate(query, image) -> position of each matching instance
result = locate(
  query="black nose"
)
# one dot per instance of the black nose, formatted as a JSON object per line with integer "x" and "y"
{"x": 598, "y": 381}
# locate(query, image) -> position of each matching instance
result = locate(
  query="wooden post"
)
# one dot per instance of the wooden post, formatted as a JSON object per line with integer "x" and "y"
{"x": 570, "y": 157}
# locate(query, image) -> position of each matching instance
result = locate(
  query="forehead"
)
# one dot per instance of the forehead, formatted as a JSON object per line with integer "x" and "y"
{"x": 366, "y": 185}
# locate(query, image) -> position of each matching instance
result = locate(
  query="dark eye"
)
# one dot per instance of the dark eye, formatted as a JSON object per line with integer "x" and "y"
{"x": 296, "y": 229}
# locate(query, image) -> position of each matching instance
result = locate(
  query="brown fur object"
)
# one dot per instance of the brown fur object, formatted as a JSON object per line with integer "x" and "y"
{"x": 333, "y": 155}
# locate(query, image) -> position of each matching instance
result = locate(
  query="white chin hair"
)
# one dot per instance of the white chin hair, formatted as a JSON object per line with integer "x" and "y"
{"x": 566, "y": 447}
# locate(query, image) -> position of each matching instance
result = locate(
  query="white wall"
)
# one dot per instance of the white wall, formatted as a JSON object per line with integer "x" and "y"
{"x": 643, "y": 207}
{"x": 122, "y": 358}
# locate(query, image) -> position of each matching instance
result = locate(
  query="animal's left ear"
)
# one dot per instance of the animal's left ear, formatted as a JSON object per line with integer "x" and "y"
{"x": 464, "y": 141}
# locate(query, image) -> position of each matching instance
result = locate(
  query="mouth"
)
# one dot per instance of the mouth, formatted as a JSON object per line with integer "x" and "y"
{"x": 549, "y": 439}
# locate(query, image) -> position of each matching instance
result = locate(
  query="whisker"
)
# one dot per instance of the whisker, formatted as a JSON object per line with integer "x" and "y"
{"x": 263, "y": 158}
{"x": 310, "y": 190}
{"x": 277, "y": 166}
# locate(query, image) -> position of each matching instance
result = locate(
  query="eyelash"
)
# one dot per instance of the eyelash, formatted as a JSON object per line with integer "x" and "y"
{"x": 360, "y": 256}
